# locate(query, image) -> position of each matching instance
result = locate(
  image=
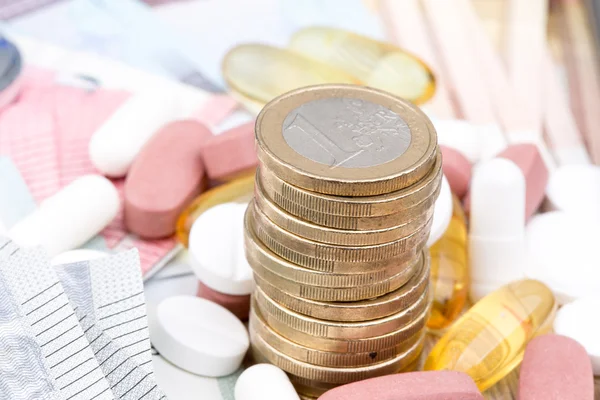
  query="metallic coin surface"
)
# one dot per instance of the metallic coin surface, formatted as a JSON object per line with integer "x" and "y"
{"x": 258, "y": 326}
{"x": 365, "y": 310}
{"x": 327, "y": 235}
{"x": 359, "y": 336}
{"x": 333, "y": 294}
{"x": 311, "y": 254}
{"x": 321, "y": 264}
{"x": 345, "y": 140}
{"x": 354, "y": 213}
{"x": 259, "y": 256}
{"x": 334, "y": 374}
{"x": 346, "y": 132}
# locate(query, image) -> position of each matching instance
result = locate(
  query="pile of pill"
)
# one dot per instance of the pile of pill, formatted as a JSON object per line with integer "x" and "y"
{"x": 357, "y": 240}
{"x": 485, "y": 249}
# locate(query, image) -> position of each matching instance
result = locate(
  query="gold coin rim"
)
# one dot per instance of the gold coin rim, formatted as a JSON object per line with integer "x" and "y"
{"x": 329, "y": 252}
{"x": 341, "y": 330}
{"x": 283, "y": 160}
{"x": 258, "y": 253}
{"x": 340, "y": 237}
{"x": 365, "y": 310}
{"x": 258, "y": 326}
{"x": 333, "y": 294}
{"x": 333, "y": 374}
{"x": 404, "y": 199}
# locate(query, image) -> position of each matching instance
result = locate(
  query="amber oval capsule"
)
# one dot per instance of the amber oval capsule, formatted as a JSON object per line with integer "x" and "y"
{"x": 489, "y": 340}
{"x": 378, "y": 64}
{"x": 164, "y": 178}
{"x": 449, "y": 271}
{"x": 261, "y": 73}
{"x": 237, "y": 190}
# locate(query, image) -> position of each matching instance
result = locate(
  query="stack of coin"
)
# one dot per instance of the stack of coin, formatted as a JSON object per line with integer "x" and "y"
{"x": 335, "y": 235}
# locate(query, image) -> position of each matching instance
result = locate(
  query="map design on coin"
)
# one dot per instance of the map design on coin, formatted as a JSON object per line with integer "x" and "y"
{"x": 346, "y": 132}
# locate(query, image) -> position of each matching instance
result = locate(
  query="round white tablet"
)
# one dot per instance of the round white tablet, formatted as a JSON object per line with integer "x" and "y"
{"x": 442, "y": 213}
{"x": 199, "y": 336}
{"x": 264, "y": 382}
{"x": 578, "y": 321}
{"x": 561, "y": 249}
{"x": 73, "y": 256}
{"x": 575, "y": 188}
{"x": 216, "y": 248}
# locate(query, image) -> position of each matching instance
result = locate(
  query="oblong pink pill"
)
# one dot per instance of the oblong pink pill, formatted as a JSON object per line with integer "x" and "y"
{"x": 167, "y": 174}
{"x": 529, "y": 160}
{"x": 422, "y": 385}
{"x": 457, "y": 170}
{"x": 556, "y": 367}
{"x": 238, "y": 305}
{"x": 231, "y": 153}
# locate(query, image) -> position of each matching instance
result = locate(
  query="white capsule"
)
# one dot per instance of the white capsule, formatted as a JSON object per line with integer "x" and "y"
{"x": 442, "y": 213}
{"x": 114, "y": 146}
{"x": 497, "y": 225}
{"x": 216, "y": 248}
{"x": 71, "y": 217}
{"x": 576, "y": 189}
{"x": 199, "y": 336}
{"x": 264, "y": 382}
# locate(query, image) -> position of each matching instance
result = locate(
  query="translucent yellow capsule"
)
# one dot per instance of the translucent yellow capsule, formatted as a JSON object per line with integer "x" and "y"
{"x": 238, "y": 190}
{"x": 262, "y": 72}
{"x": 449, "y": 271}
{"x": 378, "y": 64}
{"x": 488, "y": 341}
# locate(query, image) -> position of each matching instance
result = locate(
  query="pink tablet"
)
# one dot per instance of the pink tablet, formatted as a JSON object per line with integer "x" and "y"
{"x": 422, "y": 385}
{"x": 167, "y": 174}
{"x": 231, "y": 153}
{"x": 457, "y": 170}
{"x": 528, "y": 159}
{"x": 238, "y": 305}
{"x": 556, "y": 367}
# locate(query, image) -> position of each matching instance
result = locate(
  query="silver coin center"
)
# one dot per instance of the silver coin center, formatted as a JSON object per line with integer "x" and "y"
{"x": 346, "y": 132}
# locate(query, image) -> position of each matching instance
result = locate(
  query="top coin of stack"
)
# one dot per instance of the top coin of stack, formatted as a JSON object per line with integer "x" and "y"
{"x": 343, "y": 205}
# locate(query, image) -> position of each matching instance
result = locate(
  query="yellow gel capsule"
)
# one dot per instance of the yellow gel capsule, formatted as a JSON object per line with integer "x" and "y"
{"x": 449, "y": 271}
{"x": 261, "y": 72}
{"x": 238, "y": 190}
{"x": 488, "y": 341}
{"x": 378, "y": 64}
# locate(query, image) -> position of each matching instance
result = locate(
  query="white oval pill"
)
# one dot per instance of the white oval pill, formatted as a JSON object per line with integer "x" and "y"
{"x": 442, "y": 213}
{"x": 575, "y": 188}
{"x": 561, "y": 249}
{"x": 117, "y": 142}
{"x": 199, "y": 336}
{"x": 578, "y": 321}
{"x": 73, "y": 256}
{"x": 264, "y": 382}
{"x": 216, "y": 248}
{"x": 71, "y": 217}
